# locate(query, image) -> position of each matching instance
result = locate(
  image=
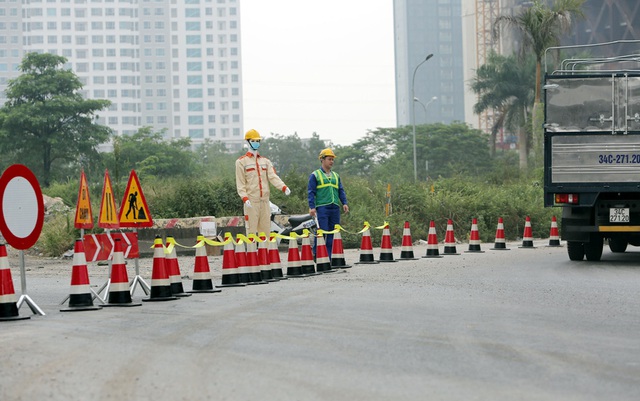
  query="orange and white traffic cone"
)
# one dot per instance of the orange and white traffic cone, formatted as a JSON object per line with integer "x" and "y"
{"x": 474, "y": 238}
{"x": 119, "y": 294}
{"x": 337, "y": 253}
{"x": 294, "y": 265}
{"x": 202, "y": 281}
{"x": 432, "y": 242}
{"x": 173, "y": 269}
{"x": 323, "y": 263}
{"x": 244, "y": 271}
{"x": 366, "y": 248}
{"x": 230, "y": 275}
{"x": 8, "y": 301}
{"x": 263, "y": 259}
{"x": 527, "y": 236}
{"x": 406, "y": 252}
{"x": 80, "y": 297}
{"x": 554, "y": 236}
{"x": 160, "y": 283}
{"x": 500, "y": 243}
{"x": 386, "y": 248}
{"x": 274, "y": 258}
{"x": 306, "y": 257}
{"x": 255, "y": 277}
{"x": 450, "y": 240}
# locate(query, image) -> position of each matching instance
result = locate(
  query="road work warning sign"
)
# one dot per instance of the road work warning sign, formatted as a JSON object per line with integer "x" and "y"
{"x": 108, "y": 217}
{"x": 134, "y": 211}
{"x": 84, "y": 217}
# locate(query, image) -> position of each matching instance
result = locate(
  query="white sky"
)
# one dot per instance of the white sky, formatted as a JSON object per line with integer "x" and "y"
{"x": 323, "y": 66}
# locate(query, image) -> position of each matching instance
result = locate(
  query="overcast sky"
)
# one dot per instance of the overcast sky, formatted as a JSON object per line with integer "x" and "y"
{"x": 324, "y": 67}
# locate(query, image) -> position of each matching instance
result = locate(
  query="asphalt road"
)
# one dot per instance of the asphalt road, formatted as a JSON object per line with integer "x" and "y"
{"x": 524, "y": 324}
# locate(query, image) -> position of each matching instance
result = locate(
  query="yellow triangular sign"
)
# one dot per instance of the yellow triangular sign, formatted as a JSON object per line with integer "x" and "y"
{"x": 84, "y": 217}
{"x": 108, "y": 212}
{"x": 134, "y": 211}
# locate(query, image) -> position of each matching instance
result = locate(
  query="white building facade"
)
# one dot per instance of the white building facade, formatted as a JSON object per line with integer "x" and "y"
{"x": 172, "y": 65}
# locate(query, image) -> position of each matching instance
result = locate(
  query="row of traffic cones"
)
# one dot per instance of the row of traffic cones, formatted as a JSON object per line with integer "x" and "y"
{"x": 386, "y": 254}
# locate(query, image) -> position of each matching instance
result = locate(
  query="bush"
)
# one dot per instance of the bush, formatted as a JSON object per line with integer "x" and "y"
{"x": 58, "y": 235}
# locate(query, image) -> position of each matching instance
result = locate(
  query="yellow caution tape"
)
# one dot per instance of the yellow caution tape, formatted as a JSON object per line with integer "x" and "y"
{"x": 383, "y": 226}
{"x": 366, "y": 227}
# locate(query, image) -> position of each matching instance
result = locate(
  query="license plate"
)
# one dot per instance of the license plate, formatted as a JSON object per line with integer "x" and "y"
{"x": 619, "y": 215}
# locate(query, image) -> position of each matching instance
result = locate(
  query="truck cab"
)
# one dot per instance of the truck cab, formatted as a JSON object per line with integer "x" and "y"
{"x": 592, "y": 153}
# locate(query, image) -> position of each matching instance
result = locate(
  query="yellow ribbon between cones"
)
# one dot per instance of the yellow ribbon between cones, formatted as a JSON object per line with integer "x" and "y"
{"x": 366, "y": 227}
{"x": 201, "y": 241}
{"x": 383, "y": 226}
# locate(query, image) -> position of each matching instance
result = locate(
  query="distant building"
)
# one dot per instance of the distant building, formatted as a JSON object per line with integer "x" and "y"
{"x": 422, "y": 28}
{"x": 172, "y": 65}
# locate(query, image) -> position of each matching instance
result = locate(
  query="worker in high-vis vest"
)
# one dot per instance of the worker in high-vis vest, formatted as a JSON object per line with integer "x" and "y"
{"x": 253, "y": 175}
{"x": 325, "y": 194}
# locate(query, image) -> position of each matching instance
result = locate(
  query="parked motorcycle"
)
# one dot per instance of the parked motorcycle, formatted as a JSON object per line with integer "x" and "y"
{"x": 297, "y": 223}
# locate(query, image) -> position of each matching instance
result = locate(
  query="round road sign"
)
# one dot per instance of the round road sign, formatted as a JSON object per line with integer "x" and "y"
{"x": 21, "y": 207}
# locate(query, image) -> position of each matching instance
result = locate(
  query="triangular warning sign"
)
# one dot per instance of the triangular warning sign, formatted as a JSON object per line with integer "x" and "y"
{"x": 84, "y": 217}
{"x": 108, "y": 212}
{"x": 134, "y": 211}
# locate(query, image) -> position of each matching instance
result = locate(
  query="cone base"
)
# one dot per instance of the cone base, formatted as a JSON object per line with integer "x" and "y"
{"x": 450, "y": 253}
{"x": 8, "y": 318}
{"x": 371, "y": 262}
{"x": 553, "y": 243}
{"x": 472, "y": 251}
{"x": 181, "y": 294}
{"x": 385, "y": 261}
{"x": 230, "y": 285}
{"x": 401, "y": 258}
{"x": 207, "y": 291}
{"x": 344, "y": 267}
{"x": 159, "y": 299}
{"x": 123, "y": 304}
{"x": 257, "y": 282}
{"x": 500, "y": 249}
{"x": 431, "y": 256}
{"x": 80, "y": 308}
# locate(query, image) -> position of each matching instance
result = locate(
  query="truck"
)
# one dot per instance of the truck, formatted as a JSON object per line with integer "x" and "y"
{"x": 592, "y": 150}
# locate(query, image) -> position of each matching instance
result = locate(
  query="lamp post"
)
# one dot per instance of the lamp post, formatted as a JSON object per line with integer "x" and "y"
{"x": 413, "y": 115}
{"x": 425, "y": 107}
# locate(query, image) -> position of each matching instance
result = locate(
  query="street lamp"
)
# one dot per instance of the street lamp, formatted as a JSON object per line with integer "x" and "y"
{"x": 413, "y": 115}
{"x": 425, "y": 107}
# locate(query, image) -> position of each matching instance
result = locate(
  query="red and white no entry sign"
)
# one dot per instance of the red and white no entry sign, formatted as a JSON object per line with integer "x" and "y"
{"x": 21, "y": 207}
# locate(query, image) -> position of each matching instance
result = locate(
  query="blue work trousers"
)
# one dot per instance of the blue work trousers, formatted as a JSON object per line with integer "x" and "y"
{"x": 328, "y": 217}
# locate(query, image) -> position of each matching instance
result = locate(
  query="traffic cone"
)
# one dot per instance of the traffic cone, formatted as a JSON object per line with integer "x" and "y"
{"x": 337, "y": 253}
{"x": 230, "y": 274}
{"x": 554, "y": 236}
{"x": 323, "y": 263}
{"x": 255, "y": 276}
{"x": 366, "y": 249}
{"x": 274, "y": 258}
{"x": 173, "y": 269}
{"x": 294, "y": 266}
{"x": 474, "y": 238}
{"x": 386, "y": 248}
{"x": 306, "y": 258}
{"x": 263, "y": 259}
{"x": 160, "y": 283}
{"x": 406, "y": 252}
{"x": 202, "y": 281}
{"x": 527, "y": 237}
{"x": 8, "y": 301}
{"x": 241, "y": 261}
{"x": 119, "y": 294}
{"x": 432, "y": 242}
{"x": 80, "y": 297}
{"x": 500, "y": 244}
{"x": 450, "y": 240}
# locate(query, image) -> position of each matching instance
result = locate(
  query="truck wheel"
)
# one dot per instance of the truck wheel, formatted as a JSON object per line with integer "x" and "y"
{"x": 575, "y": 250}
{"x": 617, "y": 245}
{"x": 593, "y": 249}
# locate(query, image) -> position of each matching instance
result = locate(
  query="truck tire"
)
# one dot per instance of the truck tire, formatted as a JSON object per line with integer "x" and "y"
{"x": 575, "y": 250}
{"x": 593, "y": 249}
{"x": 618, "y": 245}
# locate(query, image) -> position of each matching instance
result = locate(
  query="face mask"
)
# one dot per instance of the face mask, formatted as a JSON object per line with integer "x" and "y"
{"x": 254, "y": 145}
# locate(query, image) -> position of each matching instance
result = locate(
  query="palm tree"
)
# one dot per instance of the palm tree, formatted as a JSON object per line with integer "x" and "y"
{"x": 507, "y": 86}
{"x": 541, "y": 27}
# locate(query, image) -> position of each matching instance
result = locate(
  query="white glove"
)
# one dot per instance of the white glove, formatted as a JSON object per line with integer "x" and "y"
{"x": 247, "y": 203}
{"x": 287, "y": 191}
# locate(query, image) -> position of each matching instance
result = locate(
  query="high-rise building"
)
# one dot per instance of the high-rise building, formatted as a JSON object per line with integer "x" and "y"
{"x": 172, "y": 65}
{"x": 423, "y": 27}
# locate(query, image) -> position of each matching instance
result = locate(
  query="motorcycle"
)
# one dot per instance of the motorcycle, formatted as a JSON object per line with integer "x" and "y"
{"x": 296, "y": 223}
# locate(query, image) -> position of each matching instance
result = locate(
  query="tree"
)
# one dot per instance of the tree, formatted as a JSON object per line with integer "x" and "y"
{"x": 46, "y": 123}
{"x": 541, "y": 27}
{"x": 506, "y": 86}
{"x": 290, "y": 153}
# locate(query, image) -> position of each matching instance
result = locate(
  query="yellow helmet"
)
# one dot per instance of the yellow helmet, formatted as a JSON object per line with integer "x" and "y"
{"x": 252, "y": 134}
{"x": 326, "y": 153}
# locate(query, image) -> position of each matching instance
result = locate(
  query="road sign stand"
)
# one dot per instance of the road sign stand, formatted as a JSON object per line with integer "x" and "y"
{"x": 138, "y": 278}
{"x": 23, "y": 284}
